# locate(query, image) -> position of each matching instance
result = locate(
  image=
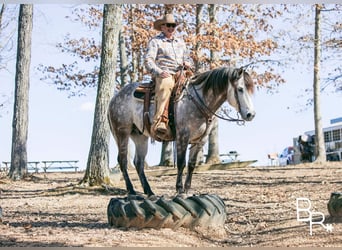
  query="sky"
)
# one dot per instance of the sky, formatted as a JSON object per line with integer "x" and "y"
{"x": 60, "y": 127}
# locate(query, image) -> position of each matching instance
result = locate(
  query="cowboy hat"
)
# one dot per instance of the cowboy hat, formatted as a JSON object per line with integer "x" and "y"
{"x": 168, "y": 18}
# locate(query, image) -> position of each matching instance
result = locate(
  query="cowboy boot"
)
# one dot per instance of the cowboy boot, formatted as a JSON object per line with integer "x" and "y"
{"x": 159, "y": 122}
{"x": 162, "y": 136}
{"x": 161, "y": 127}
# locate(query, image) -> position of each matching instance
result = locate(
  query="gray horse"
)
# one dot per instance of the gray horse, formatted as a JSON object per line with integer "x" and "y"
{"x": 193, "y": 113}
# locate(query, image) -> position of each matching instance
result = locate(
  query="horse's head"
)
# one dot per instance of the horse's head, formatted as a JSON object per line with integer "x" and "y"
{"x": 239, "y": 94}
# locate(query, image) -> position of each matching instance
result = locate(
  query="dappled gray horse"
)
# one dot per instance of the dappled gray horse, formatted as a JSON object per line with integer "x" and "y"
{"x": 193, "y": 113}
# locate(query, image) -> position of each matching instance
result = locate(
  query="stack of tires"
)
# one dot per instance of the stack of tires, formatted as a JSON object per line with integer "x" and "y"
{"x": 205, "y": 210}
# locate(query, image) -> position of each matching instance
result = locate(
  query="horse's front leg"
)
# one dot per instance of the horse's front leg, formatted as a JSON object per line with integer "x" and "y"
{"x": 181, "y": 153}
{"x": 194, "y": 150}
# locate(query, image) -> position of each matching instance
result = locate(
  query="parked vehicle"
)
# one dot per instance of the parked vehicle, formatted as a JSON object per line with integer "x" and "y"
{"x": 231, "y": 156}
{"x": 287, "y": 156}
{"x": 305, "y": 143}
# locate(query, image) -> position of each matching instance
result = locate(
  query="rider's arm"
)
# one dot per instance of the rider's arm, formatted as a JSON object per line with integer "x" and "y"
{"x": 150, "y": 58}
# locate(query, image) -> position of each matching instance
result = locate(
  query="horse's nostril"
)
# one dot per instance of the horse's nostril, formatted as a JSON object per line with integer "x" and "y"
{"x": 250, "y": 116}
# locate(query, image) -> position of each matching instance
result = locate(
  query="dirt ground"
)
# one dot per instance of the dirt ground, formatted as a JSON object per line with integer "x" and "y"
{"x": 51, "y": 210}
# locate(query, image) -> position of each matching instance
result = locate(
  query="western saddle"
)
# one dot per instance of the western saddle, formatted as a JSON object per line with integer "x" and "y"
{"x": 146, "y": 92}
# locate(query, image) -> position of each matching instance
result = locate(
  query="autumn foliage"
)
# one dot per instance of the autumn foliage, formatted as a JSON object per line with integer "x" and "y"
{"x": 239, "y": 34}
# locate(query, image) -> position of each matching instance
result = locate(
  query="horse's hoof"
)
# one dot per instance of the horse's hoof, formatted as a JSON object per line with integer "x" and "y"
{"x": 189, "y": 192}
{"x": 166, "y": 196}
{"x": 134, "y": 197}
{"x": 181, "y": 195}
{"x": 152, "y": 197}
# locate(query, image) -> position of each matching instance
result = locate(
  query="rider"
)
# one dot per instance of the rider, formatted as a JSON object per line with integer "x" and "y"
{"x": 165, "y": 54}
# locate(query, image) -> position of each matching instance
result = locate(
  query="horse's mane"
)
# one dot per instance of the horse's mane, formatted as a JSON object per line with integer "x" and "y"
{"x": 218, "y": 79}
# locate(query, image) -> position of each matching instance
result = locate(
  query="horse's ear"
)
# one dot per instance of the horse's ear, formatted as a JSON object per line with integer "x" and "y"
{"x": 238, "y": 73}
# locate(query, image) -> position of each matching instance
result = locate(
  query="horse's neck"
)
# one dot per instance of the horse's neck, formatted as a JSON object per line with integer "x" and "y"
{"x": 215, "y": 102}
{"x": 211, "y": 101}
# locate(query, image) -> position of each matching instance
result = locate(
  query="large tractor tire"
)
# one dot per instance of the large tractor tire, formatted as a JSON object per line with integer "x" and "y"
{"x": 335, "y": 204}
{"x": 205, "y": 210}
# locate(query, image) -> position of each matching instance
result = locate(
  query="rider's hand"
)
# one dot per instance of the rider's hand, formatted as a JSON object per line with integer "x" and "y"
{"x": 187, "y": 65}
{"x": 164, "y": 74}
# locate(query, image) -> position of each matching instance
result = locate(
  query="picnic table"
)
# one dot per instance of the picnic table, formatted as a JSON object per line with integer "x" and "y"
{"x": 7, "y": 166}
{"x": 60, "y": 165}
{"x": 31, "y": 165}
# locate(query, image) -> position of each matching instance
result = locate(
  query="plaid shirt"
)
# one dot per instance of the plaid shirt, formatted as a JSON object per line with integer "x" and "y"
{"x": 165, "y": 54}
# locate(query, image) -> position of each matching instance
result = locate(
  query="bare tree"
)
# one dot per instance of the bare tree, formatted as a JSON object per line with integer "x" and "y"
{"x": 98, "y": 171}
{"x": 2, "y": 10}
{"x": 167, "y": 154}
{"x": 8, "y": 15}
{"x": 214, "y": 55}
{"x": 320, "y": 148}
{"x": 213, "y": 145}
{"x": 22, "y": 84}
{"x": 197, "y": 47}
{"x": 123, "y": 60}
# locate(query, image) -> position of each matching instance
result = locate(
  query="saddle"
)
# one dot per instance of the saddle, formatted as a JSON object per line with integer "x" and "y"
{"x": 146, "y": 92}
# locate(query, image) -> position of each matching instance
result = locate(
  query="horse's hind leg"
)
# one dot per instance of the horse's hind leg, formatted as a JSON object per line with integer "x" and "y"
{"x": 122, "y": 142}
{"x": 141, "y": 146}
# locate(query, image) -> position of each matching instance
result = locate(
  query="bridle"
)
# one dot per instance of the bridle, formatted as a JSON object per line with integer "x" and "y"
{"x": 208, "y": 113}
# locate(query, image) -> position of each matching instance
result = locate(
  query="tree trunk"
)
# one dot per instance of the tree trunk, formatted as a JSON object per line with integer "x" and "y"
{"x": 140, "y": 66}
{"x": 123, "y": 60}
{"x": 214, "y": 56}
{"x": 98, "y": 171}
{"x": 168, "y": 9}
{"x": 320, "y": 147}
{"x": 199, "y": 18}
{"x": 2, "y": 10}
{"x": 18, "y": 167}
{"x": 197, "y": 61}
{"x": 213, "y": 145}
{"x": 166, "y": 158}
{"x": 134, "y": 71}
